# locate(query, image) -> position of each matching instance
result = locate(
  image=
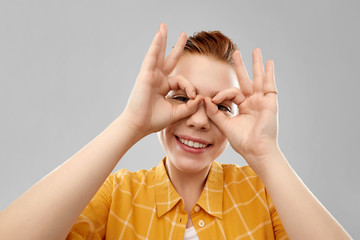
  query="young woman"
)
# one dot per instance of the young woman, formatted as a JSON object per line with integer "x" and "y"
{"x": 198, "y": 99}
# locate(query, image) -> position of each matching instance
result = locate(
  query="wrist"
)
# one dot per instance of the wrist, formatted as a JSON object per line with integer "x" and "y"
{"x": 129, "y": 129}
{"x": 268, "y": 163}
{"x": 134, "y": 127}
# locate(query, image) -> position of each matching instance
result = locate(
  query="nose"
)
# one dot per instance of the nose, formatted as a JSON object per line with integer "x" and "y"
{"x": 199, "y": 120}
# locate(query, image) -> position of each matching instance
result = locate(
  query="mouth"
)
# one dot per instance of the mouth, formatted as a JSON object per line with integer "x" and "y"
{"x": 192, "y": 143}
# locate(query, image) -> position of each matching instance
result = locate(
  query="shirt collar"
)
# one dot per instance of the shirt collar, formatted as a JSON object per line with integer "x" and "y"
{"x": 165, "y": 193}
{"x": 212, "y": 196}
{"x": 210, "y": 199}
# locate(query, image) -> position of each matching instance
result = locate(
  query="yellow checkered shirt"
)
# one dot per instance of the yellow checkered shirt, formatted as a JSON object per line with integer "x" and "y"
{"x": 144, "y": 205}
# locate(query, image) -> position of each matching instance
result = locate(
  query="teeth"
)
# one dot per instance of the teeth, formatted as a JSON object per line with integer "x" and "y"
{"x": 192, "y": 144}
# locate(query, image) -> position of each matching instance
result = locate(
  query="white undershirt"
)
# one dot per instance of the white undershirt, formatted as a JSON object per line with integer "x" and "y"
{"x": 190, "y": 234}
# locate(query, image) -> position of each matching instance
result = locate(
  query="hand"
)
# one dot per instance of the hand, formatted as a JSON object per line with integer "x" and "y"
{"x": 148, "y": 110}
{"x": 253, "y": 132}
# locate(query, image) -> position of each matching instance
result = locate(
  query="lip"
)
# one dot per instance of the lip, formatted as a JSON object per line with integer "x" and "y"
{"x": 190, "y": 149}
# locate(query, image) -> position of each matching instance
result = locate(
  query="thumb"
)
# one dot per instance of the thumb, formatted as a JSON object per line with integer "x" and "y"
{"x": 185, "y": 110}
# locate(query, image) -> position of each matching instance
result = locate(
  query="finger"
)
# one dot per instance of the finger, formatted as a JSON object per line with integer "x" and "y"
{"x": 258, "y": 70}
{"x": 185, "y": 110}
{"x": 232, "y": 94}
{"x": 269, "y": 82}
{"x": 175, "y": 54}
{"x": 163, "y": 30}
{"x": 245, "y": 83}
{"x": 214, "y": 114}
{"x": 152, "y": 55}
{"x": 179, "y": 82}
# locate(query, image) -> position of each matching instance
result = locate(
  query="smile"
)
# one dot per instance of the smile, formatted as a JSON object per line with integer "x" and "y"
{"x": 192, "y": 143}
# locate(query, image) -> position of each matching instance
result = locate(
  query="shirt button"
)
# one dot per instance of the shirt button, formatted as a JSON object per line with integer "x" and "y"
{"x": 197, "y": 208}
{"x": 201, "y": 223}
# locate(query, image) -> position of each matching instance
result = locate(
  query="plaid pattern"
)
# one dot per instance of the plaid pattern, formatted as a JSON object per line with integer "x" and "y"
{"x": 144, "y": 205}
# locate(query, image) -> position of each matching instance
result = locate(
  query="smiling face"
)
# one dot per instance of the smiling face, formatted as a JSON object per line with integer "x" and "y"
{"x": 193, "y": 143}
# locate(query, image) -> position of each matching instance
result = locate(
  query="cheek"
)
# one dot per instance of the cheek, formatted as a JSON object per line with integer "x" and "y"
{"x": 162, "y": 138}
{"x": 222, "y": 141}
{"x": 225, "y": 143}
{"x": 165, "y": 137}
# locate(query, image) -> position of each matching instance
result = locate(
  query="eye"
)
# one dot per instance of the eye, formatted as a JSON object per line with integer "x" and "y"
{"x": 181, "y": 98}
{"x": 224, "y": 108}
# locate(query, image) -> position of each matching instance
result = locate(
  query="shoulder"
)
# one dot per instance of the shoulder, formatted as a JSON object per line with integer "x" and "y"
{"x": 130, "y": 180}
{"x": 242, "y": 177}
{"x": 233, "y": 170}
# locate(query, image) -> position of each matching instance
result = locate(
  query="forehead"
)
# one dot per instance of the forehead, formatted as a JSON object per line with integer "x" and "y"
{"x": 207, "y": 74}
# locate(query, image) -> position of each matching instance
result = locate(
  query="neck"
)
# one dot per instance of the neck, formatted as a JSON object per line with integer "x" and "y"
{"x": 188, "y": 185}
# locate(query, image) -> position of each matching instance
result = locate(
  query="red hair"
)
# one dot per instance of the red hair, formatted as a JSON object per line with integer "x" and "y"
{"x": 212, "y": 43}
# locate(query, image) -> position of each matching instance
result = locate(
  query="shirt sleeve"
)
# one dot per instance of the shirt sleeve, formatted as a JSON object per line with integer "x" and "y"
{"x": 91, "y": 224}
{"x": 278, "y": 228}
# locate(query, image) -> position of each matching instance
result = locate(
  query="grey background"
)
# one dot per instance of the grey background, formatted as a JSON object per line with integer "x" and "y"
{"x": 67, "y": 69}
